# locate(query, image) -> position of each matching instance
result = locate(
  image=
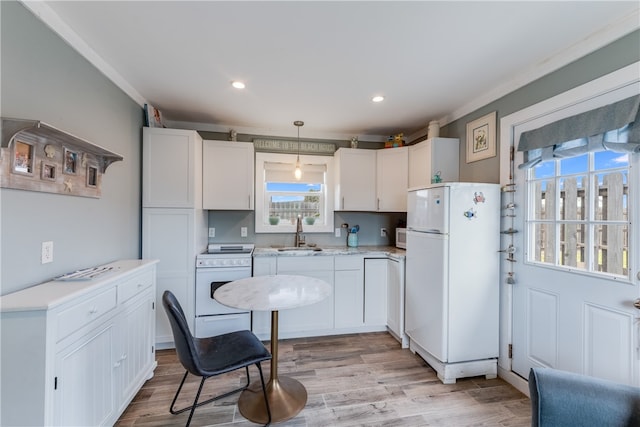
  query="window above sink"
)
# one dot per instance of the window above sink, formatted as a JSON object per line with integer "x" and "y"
{"x": 280, "y": 198}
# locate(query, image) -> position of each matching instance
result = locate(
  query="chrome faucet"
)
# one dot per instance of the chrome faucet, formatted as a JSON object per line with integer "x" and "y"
{"x": 299, "y": 237}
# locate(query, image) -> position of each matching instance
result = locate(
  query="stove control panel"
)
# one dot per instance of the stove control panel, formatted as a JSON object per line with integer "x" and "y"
{"x": 223, "y": 262}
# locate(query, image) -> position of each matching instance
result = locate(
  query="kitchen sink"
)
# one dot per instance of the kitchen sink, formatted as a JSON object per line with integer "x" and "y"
{"x": 300, "y": 249}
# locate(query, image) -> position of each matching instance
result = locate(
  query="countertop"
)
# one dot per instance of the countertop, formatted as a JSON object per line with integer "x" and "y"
{"x": 374, "y": 251}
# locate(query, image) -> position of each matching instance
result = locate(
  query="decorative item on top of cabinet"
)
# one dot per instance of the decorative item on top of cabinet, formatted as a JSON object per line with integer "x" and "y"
{"x": 35, "y": 156}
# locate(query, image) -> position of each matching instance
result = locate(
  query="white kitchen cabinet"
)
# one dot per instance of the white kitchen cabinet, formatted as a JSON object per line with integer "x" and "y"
{"x": 171, "y": 168}
{"x": 434, "y": 155}
{"x": 303, "y": 321}
{"x": 349, "y": 291}
{"x": 375, "y": 291}
{"x": 264, "y": 266}
{"x": 77, "y": 352}
{"x": 174, "y": 237}
{"x": 355, "y": 183}
{"x": 395, "y": 300}
{"x": 174, "y": 225}
{"x": 227, "y": 175}
{"x": 392, "y": 179}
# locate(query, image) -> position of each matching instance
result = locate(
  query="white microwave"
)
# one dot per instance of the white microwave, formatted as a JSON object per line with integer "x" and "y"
{"x": 401, "y": 238}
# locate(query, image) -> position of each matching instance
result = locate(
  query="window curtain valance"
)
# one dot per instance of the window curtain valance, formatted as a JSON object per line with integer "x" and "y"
{"x": 614, "y": 127}
{"x": 283, "y": 172}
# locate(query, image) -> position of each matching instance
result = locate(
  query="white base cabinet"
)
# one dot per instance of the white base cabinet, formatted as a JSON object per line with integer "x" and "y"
{"x": 76, "y": 353}
{"x": 307, "y": 320}
{"x": 349, "y": 291}
{"x": 375, "y": 291}
{"x": 368, "y": 296}
{"x": 395, "y": 300}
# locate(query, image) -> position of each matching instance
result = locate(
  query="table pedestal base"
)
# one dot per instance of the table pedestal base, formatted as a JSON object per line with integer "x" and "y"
{"x": 286, "y": 397}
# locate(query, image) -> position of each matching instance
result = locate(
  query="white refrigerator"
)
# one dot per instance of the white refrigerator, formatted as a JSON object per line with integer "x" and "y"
{"x": 452, "y": 278}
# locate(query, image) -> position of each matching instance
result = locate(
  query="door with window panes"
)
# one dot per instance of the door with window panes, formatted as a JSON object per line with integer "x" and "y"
{"x": 573, "y": 300}
{"x": 577, "y": 264}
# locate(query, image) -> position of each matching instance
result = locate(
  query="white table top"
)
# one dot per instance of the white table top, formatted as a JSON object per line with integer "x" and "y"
{"x": 270, "y": 293}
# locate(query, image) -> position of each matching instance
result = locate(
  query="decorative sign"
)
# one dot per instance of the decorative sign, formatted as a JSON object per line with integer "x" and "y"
{"x": 284, "y": 146}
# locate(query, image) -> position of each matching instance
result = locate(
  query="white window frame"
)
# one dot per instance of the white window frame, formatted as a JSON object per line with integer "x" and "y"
{"x": 261, "y": 195}
{"x": 589, "y": 222}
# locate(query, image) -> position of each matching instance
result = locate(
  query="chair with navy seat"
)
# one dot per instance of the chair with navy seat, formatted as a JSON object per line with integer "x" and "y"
{"x": 208, "y": 357}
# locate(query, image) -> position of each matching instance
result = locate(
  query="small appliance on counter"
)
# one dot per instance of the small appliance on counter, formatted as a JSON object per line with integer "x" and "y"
{"x": 352, "y": 237}
{"x": 401, "y": 238}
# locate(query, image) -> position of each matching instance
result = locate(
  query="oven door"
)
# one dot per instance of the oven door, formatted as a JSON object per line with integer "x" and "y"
{"x": 210, "y": 279}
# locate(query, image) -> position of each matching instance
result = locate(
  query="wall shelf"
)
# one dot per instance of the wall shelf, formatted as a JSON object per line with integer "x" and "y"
{"x": 36, "y": 156}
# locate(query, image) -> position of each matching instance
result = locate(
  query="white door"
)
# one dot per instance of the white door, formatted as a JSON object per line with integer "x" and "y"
{"x": 577, "y": 260}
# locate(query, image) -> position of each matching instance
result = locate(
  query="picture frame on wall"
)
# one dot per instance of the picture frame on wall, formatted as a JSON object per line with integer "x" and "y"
{"x": 481, "y": 138}
{"x": 92, "y": 175}
{"x": 153, "y": 116}
{"x": 23, "y": 158}
{"x": 48, "y": 171}
{"x": 70, "y": 162}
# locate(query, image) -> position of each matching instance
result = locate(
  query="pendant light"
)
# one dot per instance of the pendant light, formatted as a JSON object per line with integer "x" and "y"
{"x": 298, "y": 172}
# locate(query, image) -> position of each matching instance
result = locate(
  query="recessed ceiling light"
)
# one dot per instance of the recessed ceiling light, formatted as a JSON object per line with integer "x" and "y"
{"x": 377, "y": 98}
{"x": 238, "y": 84}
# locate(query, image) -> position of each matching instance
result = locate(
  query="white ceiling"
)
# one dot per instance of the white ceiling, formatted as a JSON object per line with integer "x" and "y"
{"x": 321, "y": 62}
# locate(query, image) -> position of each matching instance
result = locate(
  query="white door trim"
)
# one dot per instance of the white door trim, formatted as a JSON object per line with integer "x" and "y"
{"x": 528, "y": 118}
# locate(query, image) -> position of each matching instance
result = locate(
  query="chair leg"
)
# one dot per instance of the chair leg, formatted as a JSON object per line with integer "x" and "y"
{"x": 195, "y": 402}
{"x": 179, "y": 411}
{"x": 264, "y": 391}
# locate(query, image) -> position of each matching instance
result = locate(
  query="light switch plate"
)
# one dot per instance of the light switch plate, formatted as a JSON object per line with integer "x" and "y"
{"x": 337, "y": 232}
{"x": 243, "y": 231}
{"x": 212, "y": 232}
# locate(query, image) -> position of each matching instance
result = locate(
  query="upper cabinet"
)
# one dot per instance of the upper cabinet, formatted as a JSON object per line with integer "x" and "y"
{"x": 371, "y": 180}
{"x": 392, "y": 179}
{"x": 172, "y": 168}
{"x": 355, "y": 180}
{"x": 429, "y": 157}
{"x": 228, "y": 172}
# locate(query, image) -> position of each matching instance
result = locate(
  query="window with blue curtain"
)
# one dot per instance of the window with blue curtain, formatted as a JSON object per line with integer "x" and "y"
{"x": 614, "y": 127}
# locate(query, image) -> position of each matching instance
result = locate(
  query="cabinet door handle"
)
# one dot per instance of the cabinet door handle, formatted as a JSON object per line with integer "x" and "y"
{"x": 249, "y": 200}
{"x": 93, "y": 310}
{"x": 378, "y": 204}
{"x": 342, "y": 203}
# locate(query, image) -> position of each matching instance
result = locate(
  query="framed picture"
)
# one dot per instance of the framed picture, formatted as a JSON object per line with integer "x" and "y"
{"x": 92, "y": 175}
{"x": 481, "y": 138}
{"x": 70, "y": 163}
{"x": 23, "y": 158}
{"x": 48, "y": 172}
{"x": 153, "y": 116}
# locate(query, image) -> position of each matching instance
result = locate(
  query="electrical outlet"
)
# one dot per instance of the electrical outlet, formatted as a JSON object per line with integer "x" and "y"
{"x": 337, "y": 232}
{"x": 47, "y": 253}
{"x": 383, "y": 232}
{"x": 243, "y": 231}
{"x": 212, "y": 232}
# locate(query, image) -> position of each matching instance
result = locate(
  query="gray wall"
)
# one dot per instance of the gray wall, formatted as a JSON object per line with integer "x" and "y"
{"x": 618, "y": 54}
{"x": 44, "y": 79}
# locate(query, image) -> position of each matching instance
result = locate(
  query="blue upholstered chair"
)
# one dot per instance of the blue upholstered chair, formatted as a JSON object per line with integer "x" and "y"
{"x": 560, "y": 398}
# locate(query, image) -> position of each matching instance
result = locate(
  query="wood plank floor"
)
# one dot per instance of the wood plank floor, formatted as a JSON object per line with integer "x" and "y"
{"x": 351, "y": 380}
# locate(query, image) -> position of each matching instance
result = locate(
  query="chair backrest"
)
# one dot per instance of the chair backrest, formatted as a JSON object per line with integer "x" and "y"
{"x": 183, "y": 340}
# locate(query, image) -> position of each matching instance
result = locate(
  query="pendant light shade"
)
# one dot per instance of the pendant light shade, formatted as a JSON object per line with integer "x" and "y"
{"x": 298, "y": 171}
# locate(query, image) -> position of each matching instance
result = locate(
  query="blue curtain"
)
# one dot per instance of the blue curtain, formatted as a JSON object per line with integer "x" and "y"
{"x": 614, "y": 127}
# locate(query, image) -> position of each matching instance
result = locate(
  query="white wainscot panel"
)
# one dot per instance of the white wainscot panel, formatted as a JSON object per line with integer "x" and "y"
{"x": 542, "y": 323}
{"x": 608, "y": 344}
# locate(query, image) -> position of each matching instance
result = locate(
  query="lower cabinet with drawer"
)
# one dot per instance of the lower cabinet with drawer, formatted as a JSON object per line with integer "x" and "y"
{"x": 310, "y": 320}
{"x": 77, "y": 352}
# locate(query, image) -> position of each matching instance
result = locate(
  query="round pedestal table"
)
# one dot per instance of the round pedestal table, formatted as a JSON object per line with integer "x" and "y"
{"x": 286, "y": 396}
